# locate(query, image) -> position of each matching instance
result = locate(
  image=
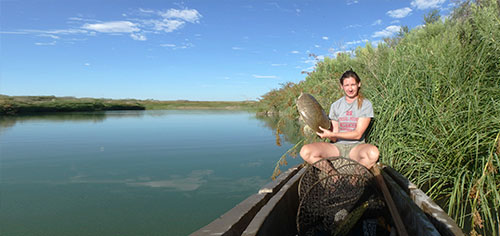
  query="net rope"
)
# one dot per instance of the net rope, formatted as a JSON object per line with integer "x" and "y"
{"x": 333, "y": 194}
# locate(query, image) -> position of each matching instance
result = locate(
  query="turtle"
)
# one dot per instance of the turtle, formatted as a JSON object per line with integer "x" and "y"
{"x": 312, "y": 113}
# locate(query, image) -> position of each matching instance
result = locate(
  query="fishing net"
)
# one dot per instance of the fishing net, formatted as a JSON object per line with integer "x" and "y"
{"x": 333, "y": 195}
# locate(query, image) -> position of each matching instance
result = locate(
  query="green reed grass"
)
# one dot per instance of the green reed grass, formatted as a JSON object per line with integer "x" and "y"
{"x": 436, "y": 96}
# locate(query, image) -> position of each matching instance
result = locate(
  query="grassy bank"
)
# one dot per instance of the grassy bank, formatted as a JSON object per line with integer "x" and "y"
{"x": 436, "y": 96}
{"x": 12, "y": 105}
{"x": 184, "y": 104}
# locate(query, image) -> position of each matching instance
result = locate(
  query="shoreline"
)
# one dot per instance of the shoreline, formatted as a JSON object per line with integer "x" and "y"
{"x": 16, "y": 105}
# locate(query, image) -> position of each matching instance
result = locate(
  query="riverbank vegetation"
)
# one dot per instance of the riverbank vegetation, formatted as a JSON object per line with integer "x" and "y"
{"x": 436, "y": 96}
{"x": 12, "y": 105}
{"x": 202, "y": 105}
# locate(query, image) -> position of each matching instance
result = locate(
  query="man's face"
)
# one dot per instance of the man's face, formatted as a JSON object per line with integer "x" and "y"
{"x": 351, "y": 87}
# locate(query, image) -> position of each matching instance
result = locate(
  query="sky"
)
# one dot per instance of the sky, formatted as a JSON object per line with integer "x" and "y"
{"x": 199, "y": 50}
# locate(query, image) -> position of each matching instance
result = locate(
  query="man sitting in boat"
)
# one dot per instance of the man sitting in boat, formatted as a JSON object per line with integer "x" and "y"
{"x": 350, "y": 117}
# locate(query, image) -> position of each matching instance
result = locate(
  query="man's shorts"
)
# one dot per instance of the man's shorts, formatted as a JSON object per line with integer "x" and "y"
{"x": 345, "y": 148}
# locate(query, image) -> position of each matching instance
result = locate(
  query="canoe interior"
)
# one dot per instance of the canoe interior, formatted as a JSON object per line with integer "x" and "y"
{"x": 409, "y": 192}
{"x": 273, "y": 210}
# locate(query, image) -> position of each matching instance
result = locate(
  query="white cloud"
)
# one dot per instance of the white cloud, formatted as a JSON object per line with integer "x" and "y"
{"x": 350, "y": 2}
{"x": 294, "y": 52}
{"x": 387, "y": 32}
{"x": 278, "y": 64}
{"x": 46, "y": 44}
{"x": 186, "y": 45}
{"x": 265, "y": 76}
{"x": 50, "y": 36}
{"x": 316, "y": 46}
{"x": 357, "y": 42}
{"x": 395, "y": 22}
{"x": 67, "y": 31}
{"x": 399, "y": 13}
{"x": 76, "y": 18}
{"x": 12, "y": 32}
{"x": 138, "y": 25}
{"x": 167, "y": 25}
{"x": 55, "y": 32}
{"x": 174, "y": 46}
{"x": 168, "y": 45}
{"x": 138, "y": 37}
{"x": 324, "y": 37}
{"x": 425, "y": 4}
{"x": 377, "y": 22}
{"x": 311, "y": 61}
{"x": 189, "y": 15}
{"x": 237, "y": 48}
{"x": 170, "y": 20}
{"x": 352, "y": 26}
{"x": 146, "y": 10}
{"x": 86, "y": 64}
{"x": 113, "y": 27}
{"x": 79, "y": 19}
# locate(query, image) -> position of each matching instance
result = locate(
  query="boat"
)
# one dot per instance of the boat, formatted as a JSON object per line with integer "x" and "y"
{"x": 273, "y": 209}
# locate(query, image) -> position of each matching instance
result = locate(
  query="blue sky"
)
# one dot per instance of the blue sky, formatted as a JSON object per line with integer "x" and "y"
{"x": 196, "y": 50}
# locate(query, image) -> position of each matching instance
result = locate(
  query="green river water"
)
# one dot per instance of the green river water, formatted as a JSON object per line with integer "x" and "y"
{"x": 130, "y": 172}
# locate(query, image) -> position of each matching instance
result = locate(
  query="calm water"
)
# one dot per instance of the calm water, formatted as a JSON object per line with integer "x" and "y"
{"x": 129, "y": 172}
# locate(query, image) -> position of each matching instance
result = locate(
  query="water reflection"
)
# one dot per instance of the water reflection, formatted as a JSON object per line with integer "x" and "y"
{"x": 134, "y": 172}
{"x": 7, "y": 122}
{"x": 190, "y": 183}
{"x": 288, "y": 129}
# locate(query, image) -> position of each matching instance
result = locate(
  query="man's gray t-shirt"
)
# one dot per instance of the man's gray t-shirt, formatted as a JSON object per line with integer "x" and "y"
{"x": 347, "y": 114}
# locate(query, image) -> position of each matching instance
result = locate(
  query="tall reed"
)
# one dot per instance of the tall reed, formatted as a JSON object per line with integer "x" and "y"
{"x": 436, "y": 96}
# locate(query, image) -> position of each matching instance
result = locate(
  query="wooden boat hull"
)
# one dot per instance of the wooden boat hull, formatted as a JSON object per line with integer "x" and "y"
{"x": 273, "y": 210}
